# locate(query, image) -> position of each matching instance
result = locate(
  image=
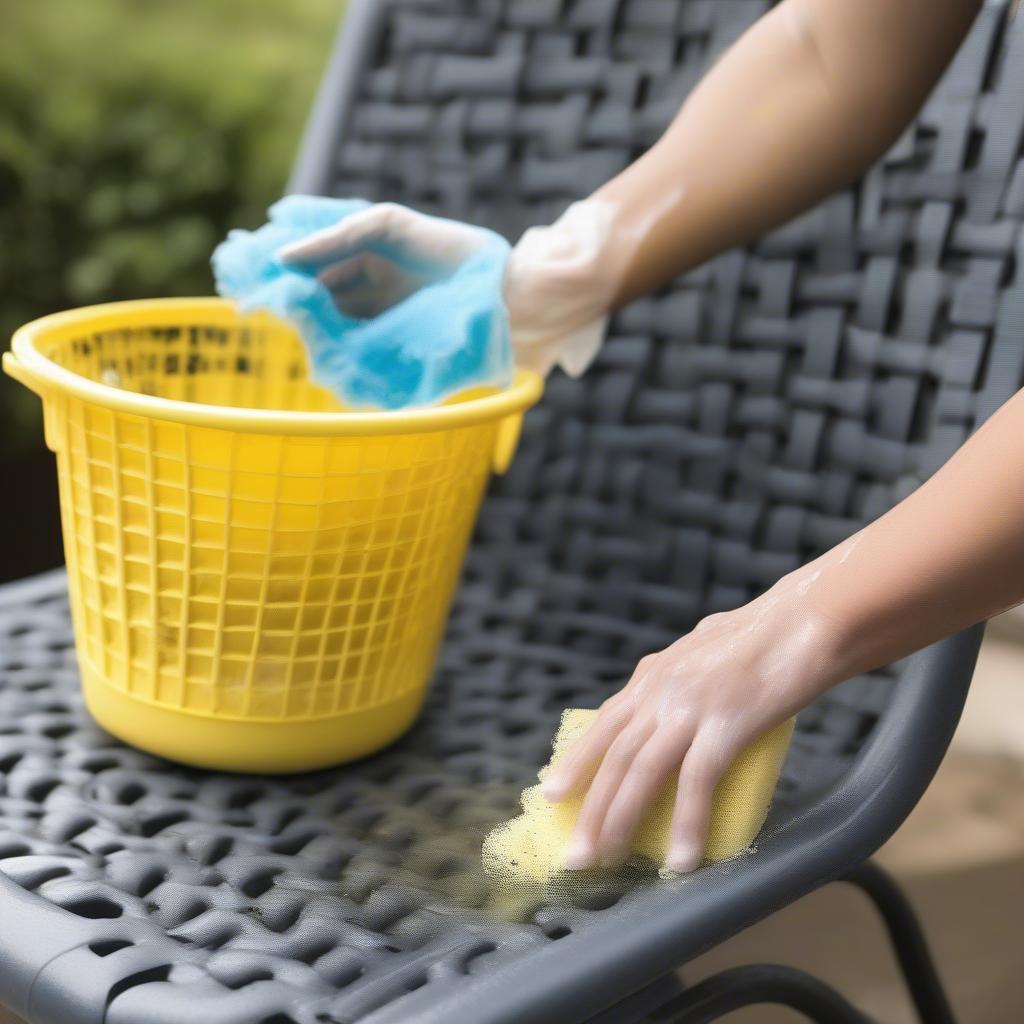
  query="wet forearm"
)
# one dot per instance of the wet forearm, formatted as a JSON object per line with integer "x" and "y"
{"x": 797, "y": 108}
{"x": 950, "y": 555}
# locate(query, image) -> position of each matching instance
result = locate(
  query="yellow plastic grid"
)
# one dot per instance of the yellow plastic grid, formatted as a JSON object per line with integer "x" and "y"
{"x": 247, "y": 574}
{"x": 262, "y": 576}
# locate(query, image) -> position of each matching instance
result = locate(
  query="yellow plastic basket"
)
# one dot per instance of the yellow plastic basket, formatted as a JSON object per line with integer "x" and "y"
{"x": 259, "y": 579}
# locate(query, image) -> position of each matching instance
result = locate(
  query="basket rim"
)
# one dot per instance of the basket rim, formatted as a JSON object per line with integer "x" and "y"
{"x": 50, "y": 378}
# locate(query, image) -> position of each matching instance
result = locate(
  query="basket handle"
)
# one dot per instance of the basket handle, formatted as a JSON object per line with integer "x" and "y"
{"x": 505, "y": 442}
{"x": 15, "y": 368}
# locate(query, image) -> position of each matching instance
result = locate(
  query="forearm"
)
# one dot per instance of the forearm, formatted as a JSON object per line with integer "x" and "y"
{"x": 950, "y": 555}
{"x": 800, "y": 106}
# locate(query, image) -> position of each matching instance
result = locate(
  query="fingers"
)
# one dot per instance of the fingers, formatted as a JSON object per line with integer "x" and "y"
{"x": 650, "y": 771}
{"x": 373, "y": 226}
{"x": 357, "y": 290}
{"x": 626, "y": 758}
{"x": 634, "y": 769}
{"x": 344, "y": 272}
{"x": 374, "y": 269}
{"x": 582, "y": 850}
{"x": 583, "y": 756}
{"x": 367, "y": 284}
{"x": 703, "y": 767}
{"x": 586, "y": 753}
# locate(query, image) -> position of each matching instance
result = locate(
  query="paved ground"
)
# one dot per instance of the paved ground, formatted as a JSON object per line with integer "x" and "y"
{"x": 961, "y": 856}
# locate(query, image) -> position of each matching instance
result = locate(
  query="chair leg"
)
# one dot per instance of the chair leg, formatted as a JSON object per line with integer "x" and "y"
{"x": 639, "y": 1007}
{"x": 908, "y": 941}
{"x": 755, "y": 985}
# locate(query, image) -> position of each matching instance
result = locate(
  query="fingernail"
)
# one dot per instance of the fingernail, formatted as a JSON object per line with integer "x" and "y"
{"x": 682, "y": 859}
{"x": 551, "y": 790}
{"x": 578, "y": 855}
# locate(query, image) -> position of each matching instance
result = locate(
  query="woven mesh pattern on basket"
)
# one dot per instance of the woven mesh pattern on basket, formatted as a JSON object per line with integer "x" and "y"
{"x": 751, "y": 415}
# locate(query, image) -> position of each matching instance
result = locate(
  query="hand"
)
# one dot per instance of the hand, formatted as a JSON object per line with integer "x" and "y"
{"x": 374, "y": 259}
{"x": 690, "y": 710}
{"x": 558, "y": 280}
{"x": 559, "y": 286}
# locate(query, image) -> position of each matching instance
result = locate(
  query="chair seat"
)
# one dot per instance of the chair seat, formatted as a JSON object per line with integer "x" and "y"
{"x": 350, "y": 894}
{"x": 753, "y": 414}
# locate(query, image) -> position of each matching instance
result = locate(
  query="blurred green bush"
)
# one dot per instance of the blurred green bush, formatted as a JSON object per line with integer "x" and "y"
{"x": 133, "y": 135}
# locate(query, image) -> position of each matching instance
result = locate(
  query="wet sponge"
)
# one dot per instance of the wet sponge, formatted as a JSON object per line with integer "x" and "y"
{"x": 450, "y": 335}
{"x": 531, "y": 848}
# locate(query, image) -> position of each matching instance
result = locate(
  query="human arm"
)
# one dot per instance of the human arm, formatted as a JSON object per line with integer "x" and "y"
{"x": 800, "y": 105}
{"x": 949, "y": 555}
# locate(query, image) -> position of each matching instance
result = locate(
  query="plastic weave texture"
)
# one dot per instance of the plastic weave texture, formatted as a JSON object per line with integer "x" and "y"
{"x": 751, "y": 415}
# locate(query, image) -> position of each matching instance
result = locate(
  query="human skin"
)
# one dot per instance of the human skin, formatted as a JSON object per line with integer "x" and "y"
{"x": 949, "y": 555}
{"x": 800, "y": 106}
{"x": 809, "y": 97}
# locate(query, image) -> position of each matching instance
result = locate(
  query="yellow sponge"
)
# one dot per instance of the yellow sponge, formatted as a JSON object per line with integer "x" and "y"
{"x": 531, "y": 848}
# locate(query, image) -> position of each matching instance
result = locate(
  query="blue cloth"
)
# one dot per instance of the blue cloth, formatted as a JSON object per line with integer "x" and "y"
{"x": 449, "y": 335}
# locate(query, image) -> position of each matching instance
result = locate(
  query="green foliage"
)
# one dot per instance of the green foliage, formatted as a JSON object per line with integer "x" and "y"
{"x": 133, "y": 135}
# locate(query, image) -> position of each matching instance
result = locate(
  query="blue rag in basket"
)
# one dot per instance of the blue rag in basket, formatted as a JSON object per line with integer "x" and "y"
{"x": 450, "y": 335}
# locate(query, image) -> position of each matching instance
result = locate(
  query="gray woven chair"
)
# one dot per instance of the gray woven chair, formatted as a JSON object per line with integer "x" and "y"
{"x": 754, "y": 413}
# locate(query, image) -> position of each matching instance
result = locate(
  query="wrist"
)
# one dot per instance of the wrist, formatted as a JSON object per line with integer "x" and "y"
{"x": 558, "y": 286}
{"x": 825, "y": 630}
{"x": 583, "y": 249}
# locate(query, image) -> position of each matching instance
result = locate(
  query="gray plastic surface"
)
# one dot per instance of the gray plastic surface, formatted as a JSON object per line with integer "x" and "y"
{"x": 751, "y": 415}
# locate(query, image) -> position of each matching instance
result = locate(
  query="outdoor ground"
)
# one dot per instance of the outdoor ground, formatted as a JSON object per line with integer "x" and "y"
{"x": 961, "y": 857}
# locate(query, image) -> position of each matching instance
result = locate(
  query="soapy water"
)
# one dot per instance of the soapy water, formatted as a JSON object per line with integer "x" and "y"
{"x": 390, "y": 852}
{"x": 379, "y": 861}
{"x": 444, "y": 873}
{"x": 375, "y": 853}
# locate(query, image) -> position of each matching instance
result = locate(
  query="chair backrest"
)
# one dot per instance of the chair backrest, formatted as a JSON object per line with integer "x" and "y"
{"x": 759, "y": 409}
